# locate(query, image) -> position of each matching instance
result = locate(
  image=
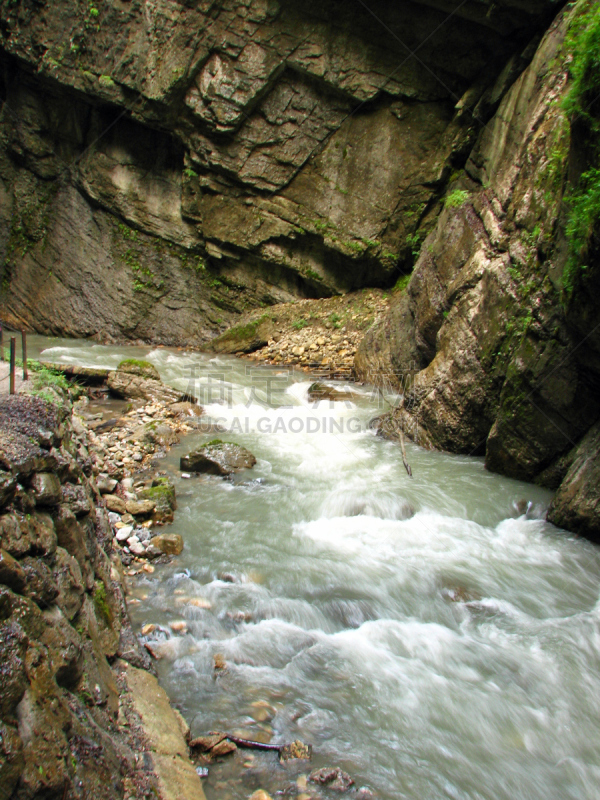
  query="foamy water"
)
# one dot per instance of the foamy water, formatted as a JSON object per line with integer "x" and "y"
{"x": 420, "y": 633}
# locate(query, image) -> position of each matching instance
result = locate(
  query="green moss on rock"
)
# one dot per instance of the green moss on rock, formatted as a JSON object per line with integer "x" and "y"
{"x": 135, "y": 366}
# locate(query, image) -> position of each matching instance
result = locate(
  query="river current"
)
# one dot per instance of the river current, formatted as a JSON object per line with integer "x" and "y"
{"x": 433, "y": 636}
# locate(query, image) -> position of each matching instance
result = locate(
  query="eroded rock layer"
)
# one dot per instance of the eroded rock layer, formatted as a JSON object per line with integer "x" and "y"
{"x": 493, "y": 355}
{"x": 166, "y": 165}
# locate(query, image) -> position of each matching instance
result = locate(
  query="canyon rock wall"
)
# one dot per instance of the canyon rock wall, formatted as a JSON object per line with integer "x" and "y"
{"x": 494, "y": 357}
{"x": 166, "y": 165}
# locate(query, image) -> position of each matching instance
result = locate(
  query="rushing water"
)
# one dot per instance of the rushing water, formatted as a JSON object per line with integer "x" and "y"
{"x": 334, "y": 608}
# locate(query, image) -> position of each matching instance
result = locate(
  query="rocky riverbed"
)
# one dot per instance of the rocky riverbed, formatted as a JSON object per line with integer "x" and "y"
{"x": 321, "y": 335}
{"x": 81, "y": 715}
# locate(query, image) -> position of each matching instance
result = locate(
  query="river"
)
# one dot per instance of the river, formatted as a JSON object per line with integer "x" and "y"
{"x": 453, "y": 652}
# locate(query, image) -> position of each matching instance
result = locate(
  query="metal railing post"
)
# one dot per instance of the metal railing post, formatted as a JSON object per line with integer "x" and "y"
{"x": 13, "y": 363}
{"x": 24, "y": 353}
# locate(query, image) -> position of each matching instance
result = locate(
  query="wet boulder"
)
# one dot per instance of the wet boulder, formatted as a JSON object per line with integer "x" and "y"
{"x": 144, "y": 369}
{"x": 332, "y": 777}
{"x": 576, "y": 504}
{"x": 323, "y": 391}
{"x": 8, "y": 485}
{"x": 46, "y": 489}
{"x": 41, "y": 585}
{"x": 69, "y": 581}
{"x": 11, "y": 572}
{"x": 218, "y": 458}
{"x": 171, "y": 544}
{"x": 162, "y": 494}
{"x": 130, "y": 387}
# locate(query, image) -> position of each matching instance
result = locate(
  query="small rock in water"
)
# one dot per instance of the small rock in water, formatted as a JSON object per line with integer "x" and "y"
{"x": 333, "y": 778}
{"x": 185, "y": 475}
{"x": 169, "y": 543}
{"x": 205, "y": 743}
{"x": 458, "y": 594}
{"x": 178, "y": 627}
{"x": 147, "y": 629}
{"x": 364, "y": 793}
{"x": 296, "y": 749}
{"x": 219, "y": 662}
{"x": 223, "y": 748}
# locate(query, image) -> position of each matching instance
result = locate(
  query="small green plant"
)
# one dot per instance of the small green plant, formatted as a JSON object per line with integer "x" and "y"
{"x": 581, "y": 104}
{"x": 190, "y": 173}
{"x": 356, "y": 247}
{"x": 106, "y": 81}
{"x": 456, "y": 198}
{"x": 299, "y": 324}
{"x": 413, "y": 240}
{"x": 127, "y": 232}
{"x": 584, "y": 213}
{"x": 402, "y": 283}
{"x": 335, "y": 320}
{"x": 310, "y": 273}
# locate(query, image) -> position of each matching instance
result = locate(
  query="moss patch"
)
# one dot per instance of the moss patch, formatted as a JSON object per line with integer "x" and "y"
{"x": 136, "y": 366}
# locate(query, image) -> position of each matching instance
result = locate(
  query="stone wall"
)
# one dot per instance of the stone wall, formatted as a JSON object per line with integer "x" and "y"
{"x": 73, "y": 679}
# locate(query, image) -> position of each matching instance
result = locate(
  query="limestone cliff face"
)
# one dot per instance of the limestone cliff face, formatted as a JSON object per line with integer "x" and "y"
{"x": 493, "y": 357}
{"x": 165, "y": 165}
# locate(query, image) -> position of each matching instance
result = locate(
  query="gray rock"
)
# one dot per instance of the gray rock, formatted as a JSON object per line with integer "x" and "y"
{"x": 123, "y": 534}
{"x": 218, "y": 458}
{"x": 46, "y": 489}
{"x": 137, "y": 548}
{"x": 106, "y": 485}
{"x": 114, "y": 503}
{"x": 576, "y": 504}
{"x": 11, "y": 572}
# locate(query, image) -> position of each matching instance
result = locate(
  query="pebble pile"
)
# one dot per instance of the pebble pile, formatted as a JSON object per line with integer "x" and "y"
{"x": 137, "y": 496}
{"x": 322, "y": 334}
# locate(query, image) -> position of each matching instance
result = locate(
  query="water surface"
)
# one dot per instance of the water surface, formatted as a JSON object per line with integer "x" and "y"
{"x": 421, "y": 633}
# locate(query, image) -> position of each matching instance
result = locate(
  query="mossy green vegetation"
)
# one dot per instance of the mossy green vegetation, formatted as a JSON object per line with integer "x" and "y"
{"x": 45, "y": 382}
{"x": 582, "y": 104}
{"x": 401, "y": 283}
{"x": 456, "y": 198}
{"x": 136, "y": 366}
{"x": 103, "y": 610}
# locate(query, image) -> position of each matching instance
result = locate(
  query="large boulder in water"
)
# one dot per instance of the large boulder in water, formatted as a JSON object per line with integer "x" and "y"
{"x": 323, "y": 391}
{"x": 144, "y": 369}
{"x": 218, "y": 458}
{"x": 128, "y": 386}
{"x": 576, "y": 505}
